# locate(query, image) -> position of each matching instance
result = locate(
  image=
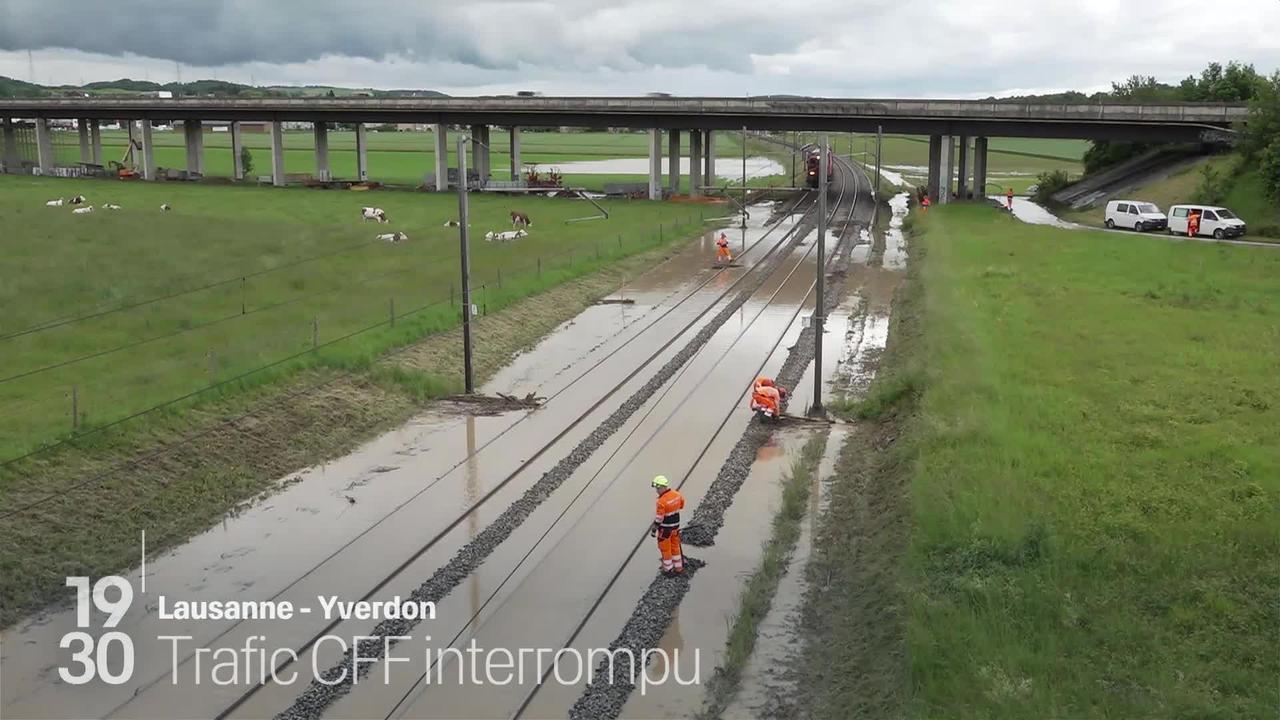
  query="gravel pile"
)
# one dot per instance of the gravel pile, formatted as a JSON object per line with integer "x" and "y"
{"x": 653, "y": 613}
{"x": 318, "y": 696}
{"x": 643, "y": 630}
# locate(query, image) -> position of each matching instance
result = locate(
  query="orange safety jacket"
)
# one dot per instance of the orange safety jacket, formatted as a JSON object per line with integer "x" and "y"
{"x": 667, "y": 516}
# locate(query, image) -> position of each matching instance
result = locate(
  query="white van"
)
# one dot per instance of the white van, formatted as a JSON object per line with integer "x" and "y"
{"x": 1135, "y": 215}
{"x": 1218, "y": 222}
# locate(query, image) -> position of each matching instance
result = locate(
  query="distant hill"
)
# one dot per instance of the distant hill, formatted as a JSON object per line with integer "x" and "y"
{"x": 10, "y": 87}
{"x": 16, "y": 88}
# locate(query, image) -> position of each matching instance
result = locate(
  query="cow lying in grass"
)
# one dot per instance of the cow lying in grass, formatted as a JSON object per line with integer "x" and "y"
{"x": 395, "y": 237}
{"x": 504, "y": 236}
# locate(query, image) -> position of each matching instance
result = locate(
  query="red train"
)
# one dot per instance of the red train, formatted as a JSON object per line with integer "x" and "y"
{"x": 811, "y": 166}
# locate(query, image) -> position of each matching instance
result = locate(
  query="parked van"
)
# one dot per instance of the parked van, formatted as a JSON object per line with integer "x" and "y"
{"x": 1135, "y": 215}
{"x": 1218, "y": 222}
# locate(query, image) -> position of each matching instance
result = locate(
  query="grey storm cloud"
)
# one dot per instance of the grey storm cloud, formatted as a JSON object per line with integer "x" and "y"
{"x": 619, "y": 34}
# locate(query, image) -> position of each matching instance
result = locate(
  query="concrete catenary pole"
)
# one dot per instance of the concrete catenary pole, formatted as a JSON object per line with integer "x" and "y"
{"x": 10, "y": 156}
{"x": 464, "y": 250}
{"x": 44, "y": 146}
{"x": 695, "y": 163}
{"x": 744, "y": 180}
{"x": 819, "y": 311}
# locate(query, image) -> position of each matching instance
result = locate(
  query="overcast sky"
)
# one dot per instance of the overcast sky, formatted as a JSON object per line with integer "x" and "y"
{"x": 900, "y": 48}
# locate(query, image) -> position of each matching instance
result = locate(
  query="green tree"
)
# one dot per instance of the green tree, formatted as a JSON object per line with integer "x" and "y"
{"x": 1236, "y": 82}
{"x": 246, "y": 160}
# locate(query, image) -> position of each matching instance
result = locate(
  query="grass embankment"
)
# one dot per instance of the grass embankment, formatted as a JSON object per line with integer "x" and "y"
{"x": 757, "y": 592}
{"x": 1245, "y": 197}
{"x": 175, "y": 471}
{"x": 1093, "y": 481}
{"x": 405, "y": 158}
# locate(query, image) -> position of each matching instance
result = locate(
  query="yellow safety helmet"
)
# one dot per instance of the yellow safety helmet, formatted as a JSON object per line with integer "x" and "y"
{"x": 661, "y": 481}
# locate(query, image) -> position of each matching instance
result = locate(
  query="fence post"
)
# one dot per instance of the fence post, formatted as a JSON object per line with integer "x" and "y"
{"x": 499, "y": 278}
{"x": 75, "y": 408}
{"x": 619, "y": 241}
{"x": 450, "y": 294}
{"x": 391, "y": 309}
{"x": 539, "y": 268}
{"x": 242, "y": 296}
{"x": 315, "y": 331}
{"x": 597, "y": 248}
{"x": 484, "y": 304}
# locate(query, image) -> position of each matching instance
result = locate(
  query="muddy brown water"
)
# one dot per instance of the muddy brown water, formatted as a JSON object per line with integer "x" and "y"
{"x": 345, "y": 547}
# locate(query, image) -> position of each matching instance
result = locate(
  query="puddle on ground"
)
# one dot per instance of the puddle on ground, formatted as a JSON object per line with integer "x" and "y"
{"x": 895, "y": 247}
{"x": 1033, "y": 213}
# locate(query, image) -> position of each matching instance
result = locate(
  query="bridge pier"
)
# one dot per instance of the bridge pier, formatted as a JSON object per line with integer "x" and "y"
{"x": 935, "y": 166}
{"x": 517, "y": 167}
{"x": 95, "y": 142}
{"x": 946, "y": 169}
{"x": 193, "y": 134}
{"x": 237, "y": 150}
{"x": 82, "y": 128}
{"x": 673, "y": 161}
{"x": 442, "y": 156}
{"x": 321, "y": 132}
{"x": 695, "y": 163}
{"x": 147, "y": 167}
{"x": 9, "y": 157}
{"x": 362, "y": 153}
{"x": 655, "y": 164}
{"x": 980, "y": 168}
{"x": 480, "y": 151}
{"x": 277, "y": 154}
{"x": 962, "y": 181}
{"x": 709, "y": 158}
{"x": 44, "y": 146}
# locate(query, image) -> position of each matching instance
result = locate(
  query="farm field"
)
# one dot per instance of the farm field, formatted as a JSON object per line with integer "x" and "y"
{"x": 242, "y": 277}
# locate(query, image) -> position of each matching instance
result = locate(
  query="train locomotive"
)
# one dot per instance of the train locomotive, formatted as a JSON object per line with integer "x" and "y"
{"x": 812, "y": 166}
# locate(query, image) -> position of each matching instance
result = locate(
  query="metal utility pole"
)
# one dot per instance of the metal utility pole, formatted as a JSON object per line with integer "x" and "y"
{"x": 879, "y": 139}
{"x": 818, "y": 311}
{"x": 465, "y": 252}
{"x": 744, "y": 180}
{"x": 794, "y": 149}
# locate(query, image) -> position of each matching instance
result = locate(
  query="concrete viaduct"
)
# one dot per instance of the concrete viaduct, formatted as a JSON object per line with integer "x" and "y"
{"x": 958, "y": 129}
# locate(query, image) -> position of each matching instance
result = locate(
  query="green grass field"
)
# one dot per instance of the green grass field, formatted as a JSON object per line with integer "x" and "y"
{"x": 58, "y": 266}
{"x": 1094, "y": 473}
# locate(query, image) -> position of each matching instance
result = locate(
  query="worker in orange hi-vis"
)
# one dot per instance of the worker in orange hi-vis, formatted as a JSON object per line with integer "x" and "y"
{"x": 722, "y": 250}
{"x": 925, "y": 202}
{"x": 1193, "y": 224}
{"x": 766, "y": 397}
{"x": 1008, "y": 199}
{"x": 666, "y": 525}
